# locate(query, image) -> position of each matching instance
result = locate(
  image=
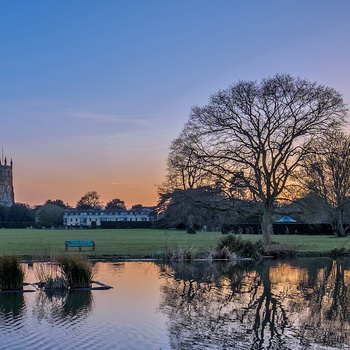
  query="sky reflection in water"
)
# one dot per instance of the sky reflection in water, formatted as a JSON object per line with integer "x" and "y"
{"x": 302, "y": 304}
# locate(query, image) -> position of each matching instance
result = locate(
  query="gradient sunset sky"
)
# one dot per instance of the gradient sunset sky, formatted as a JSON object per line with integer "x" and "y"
{"x": 93, "y": 92}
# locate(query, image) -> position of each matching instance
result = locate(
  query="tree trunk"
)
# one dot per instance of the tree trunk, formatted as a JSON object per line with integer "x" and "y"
{"x": 339, "y": 229}
{"x": 266, "y": 224}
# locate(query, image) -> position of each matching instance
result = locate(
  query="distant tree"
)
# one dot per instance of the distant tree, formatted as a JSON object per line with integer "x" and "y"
{"x": 327, "y": 174}
{"x": 116, "y": 203}
{"x": 20, "y": 212}
{"x": 254, "y": 135}
{"x": 137, "y": 207}
{"x": 3, "y": 212}
{"x": 91, "y": 200}
{"x": 192, "y": 208}
{"x": 309, "y": 208}
{"x": 50, "y": 215}
{"x": 59, "y": 203}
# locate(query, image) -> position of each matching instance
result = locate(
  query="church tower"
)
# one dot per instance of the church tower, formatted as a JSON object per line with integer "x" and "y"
{"x": 7, "y": 194}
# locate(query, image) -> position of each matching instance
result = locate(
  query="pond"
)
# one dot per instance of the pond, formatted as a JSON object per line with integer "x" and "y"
{"x": 300, "y": 304}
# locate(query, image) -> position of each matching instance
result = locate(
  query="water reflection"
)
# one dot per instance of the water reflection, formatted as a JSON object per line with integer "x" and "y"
{"x": 54, "y": 306}
{"x": 12, "y": 305}
{"x": 301, "y": 304}
{"x": 273, "y": 305}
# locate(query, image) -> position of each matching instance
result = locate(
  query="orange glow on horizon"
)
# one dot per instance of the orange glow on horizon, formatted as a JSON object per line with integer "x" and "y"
{"x": 132, "y": 185}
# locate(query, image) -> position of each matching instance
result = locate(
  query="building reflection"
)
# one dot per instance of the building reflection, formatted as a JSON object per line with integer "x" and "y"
{"x": 273, "y": 305}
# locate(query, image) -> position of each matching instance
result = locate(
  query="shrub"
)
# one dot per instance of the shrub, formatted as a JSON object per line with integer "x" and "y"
{"x": 239, "y": 246}
{"x": 76, "y": 270}
{"x": 11, "y": 273}
{"x": 225, "y": 253}
{"x": 191, "y": 230}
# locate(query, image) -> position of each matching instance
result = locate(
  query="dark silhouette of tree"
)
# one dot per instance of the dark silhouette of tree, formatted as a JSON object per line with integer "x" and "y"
{"x": 116, "y": 203}
{"x": 59, "y": 203}
{"x": 50, "y": 215}
{"x": 192, "y": 208}
{"x": 327, "y": 174}
{"x": 137, "y": 207}
{"x": 91, "y": 200}
{"x": 20, "y": 212}
{"x": 3, "y": 211}
{"x": 254, "y": 135}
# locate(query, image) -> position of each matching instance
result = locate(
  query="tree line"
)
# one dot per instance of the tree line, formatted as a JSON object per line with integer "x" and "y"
{"x": 258, "y": 149}
{"x": 51, "y": 212}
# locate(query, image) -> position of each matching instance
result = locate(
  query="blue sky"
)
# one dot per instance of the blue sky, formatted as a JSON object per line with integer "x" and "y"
{"x": 93, "y": 92}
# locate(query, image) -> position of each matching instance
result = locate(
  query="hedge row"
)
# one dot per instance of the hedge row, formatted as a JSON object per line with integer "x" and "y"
{"x": 17, "y": 224}
{"x": 281, "y": 229}
{"x": 126, "y": 224}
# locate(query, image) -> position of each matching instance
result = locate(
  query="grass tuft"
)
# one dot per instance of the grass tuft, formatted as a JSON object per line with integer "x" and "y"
{"x": 11, "y": 273}
{"x": 76, "y": 270}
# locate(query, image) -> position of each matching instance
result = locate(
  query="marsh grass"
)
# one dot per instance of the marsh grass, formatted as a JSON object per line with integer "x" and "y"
{"x": 11, "y": 273}
{"x": 76, "y": 270}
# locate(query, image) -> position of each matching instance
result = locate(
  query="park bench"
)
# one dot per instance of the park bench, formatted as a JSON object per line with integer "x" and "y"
{"x": 79, "y": 244}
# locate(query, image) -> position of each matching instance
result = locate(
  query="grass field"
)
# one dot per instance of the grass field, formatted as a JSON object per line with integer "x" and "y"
{"x": 141, "y": 243}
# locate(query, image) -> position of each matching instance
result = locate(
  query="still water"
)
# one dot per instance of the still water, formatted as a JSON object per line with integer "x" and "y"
{"x": 301, "y": 304}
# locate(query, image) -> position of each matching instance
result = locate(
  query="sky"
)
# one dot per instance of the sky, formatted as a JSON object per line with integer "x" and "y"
{"x": 93, "y": 92}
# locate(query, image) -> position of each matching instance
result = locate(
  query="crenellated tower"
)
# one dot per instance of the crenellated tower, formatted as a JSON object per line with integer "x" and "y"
{"x": 7, "y": 194}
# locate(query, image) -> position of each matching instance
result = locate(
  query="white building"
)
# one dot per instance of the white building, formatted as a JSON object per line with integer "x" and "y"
{"x": 87, "y": 218}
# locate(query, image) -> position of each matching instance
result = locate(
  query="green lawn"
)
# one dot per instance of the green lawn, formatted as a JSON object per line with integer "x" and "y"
{"x": 140, "y": 242}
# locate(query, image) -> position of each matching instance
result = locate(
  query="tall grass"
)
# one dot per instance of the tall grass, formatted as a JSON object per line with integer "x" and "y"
{"x": 11, "y": 273}
{"x": 76, "y": 270}
{"x": 50, "y": 275}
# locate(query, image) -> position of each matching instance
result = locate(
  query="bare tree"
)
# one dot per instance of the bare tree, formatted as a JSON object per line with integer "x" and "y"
{"x": 254, "y": 135}
{"x": 327, "y": 173}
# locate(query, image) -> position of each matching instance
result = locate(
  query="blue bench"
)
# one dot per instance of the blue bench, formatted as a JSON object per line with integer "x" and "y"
{"x": 79, "y": 244}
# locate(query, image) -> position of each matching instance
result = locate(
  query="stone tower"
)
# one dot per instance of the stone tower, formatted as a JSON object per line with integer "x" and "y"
{"x": 7, "y": 195}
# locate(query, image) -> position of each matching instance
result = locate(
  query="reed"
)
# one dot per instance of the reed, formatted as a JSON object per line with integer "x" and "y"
{"x": 50, "y": 275}
{"x": 76, "y": 270}
{"x": 11, "y": 273}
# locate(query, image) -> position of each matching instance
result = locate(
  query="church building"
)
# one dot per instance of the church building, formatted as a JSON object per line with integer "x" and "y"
{"x": 7, "y": 195}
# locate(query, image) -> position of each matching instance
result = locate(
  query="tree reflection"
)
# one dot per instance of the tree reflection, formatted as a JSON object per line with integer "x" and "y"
{"x": 63, "y": 305}
{"x": 272, "y": 305}
{"x": 12, "y": 305}
{"x": 327, "y": 317}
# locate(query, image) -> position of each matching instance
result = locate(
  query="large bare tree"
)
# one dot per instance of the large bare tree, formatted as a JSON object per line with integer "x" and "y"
{"x": 327, "y": 173}
{"x": 254, "y": 135}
